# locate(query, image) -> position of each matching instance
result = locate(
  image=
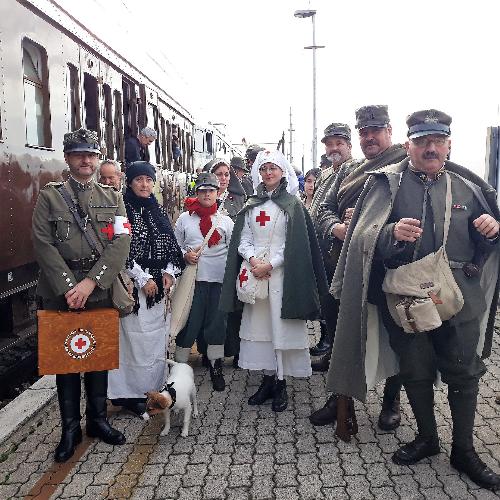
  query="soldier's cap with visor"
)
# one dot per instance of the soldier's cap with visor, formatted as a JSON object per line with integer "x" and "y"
{"x": 337, "y": 130}
{"x": 239, "y": 163}
{"x": 252, "y": 152}
{"x": 206, "y": 180}
{"x": 375, "y": 115}
{"x": 428, "y": 122}
{"x": 137, "y": 168}
{"x": 81, "y": 141}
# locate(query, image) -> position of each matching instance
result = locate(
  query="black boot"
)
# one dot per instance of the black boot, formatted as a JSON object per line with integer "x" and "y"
{"x": 96, "y": 387}
{"x": 323, "y": 363}
{"x": 324, "y": 344}
{"x": 468, "y": 462}
{"x": 390, "y": 416}
{"x": 218, "y": 382}
{"x": 280, "y": 397}
{"x": 68, "y": 394}
{"x": 419, "y": 448}
{"x": 235, "y": 361}
{"x": 327, "y": 414}
{"x": 264, "y": 392}
{"x": 497, "y": 400}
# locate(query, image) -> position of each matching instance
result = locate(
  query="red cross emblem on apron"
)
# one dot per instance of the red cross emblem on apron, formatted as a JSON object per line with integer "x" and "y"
{"x": 262, "y": 218}
{"x": 243, "y": 276}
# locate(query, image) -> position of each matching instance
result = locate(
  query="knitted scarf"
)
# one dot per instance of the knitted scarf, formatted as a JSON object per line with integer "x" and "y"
{"x": 193, "y": 206}
{"x": 153, "y": 245}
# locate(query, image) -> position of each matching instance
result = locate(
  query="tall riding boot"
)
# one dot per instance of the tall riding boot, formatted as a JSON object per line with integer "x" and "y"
{"x": 96, "y": 387}
{"x": 390, "y": 416}
{"x": 68, "y": 394}
{"x": 325, "y": 341}
{"x": 347, "y": 424}
{"x": 280, "y": 397}
{"x": 327, "y": 414}
{"x": 426, "y": 444}
{"x": 264, "y": 392}
{"x": 463, "y": 402}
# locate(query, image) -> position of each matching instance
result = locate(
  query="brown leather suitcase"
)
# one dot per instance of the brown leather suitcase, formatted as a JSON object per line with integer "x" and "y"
{"x": 80, "y": 341}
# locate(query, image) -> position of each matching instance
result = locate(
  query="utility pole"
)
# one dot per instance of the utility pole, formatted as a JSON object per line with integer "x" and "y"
{"x": 291, "y": 131}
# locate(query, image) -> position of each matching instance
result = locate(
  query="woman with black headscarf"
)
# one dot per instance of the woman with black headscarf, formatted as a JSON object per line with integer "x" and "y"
{"x": 154, "y": 260}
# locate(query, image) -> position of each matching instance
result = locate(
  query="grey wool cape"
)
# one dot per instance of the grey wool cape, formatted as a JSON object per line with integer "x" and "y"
{"x": 360, "y": 330}
{"x": 304, "y": 279}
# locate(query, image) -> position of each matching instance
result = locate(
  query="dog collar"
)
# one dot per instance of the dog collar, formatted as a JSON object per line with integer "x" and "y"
{"x": 170, "y": 389}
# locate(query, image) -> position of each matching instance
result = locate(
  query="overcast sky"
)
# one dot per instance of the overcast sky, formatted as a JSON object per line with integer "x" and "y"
{"x": 243, "y": 62}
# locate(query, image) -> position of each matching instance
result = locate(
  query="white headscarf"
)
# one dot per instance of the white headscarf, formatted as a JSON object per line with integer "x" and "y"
{"x": 277, "y": 158}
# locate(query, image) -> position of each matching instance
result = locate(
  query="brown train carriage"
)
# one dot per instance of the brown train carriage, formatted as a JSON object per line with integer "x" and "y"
{"x": 55, "y": 76}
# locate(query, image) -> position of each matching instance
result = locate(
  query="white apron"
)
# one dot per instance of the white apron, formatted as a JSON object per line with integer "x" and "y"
{"x": 143, "y": 337}
{"x": 267, "y": 341}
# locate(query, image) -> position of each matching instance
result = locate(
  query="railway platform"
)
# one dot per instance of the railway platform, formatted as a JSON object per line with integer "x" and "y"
{"x": 235, "y": 451}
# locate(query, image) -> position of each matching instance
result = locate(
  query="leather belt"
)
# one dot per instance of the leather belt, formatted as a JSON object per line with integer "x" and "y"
{"x": 83, "y": 265}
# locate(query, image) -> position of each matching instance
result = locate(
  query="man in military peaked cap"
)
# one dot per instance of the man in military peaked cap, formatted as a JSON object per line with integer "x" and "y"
{"x": 251, "y": 153}
{"x": 384, "y": 235}
{"x": 73, "y": 277}
{"x": 375, "y": 138}
{"x": 337, "y": 141}
{"x": 240, "y": 169}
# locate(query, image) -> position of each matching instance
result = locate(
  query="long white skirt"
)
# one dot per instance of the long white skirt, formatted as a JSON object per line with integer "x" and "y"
{"x": 271, "y": 343}
{"x": 143, "y": 338}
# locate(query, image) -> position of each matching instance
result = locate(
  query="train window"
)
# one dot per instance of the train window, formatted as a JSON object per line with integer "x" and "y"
{"x": 209, "y": 142}
{"x": 129, "y": 108}
{"x": 91, "y": 103}
{"x": 108, "y": 120}
{"x": 163, "y": 142}
{"x": 169, "y": 144}
{"x": 73, "y": 86}
{"x": 199, "y": 135}
{"x": 119, "y": 153}
{"x": 36, "y": 94}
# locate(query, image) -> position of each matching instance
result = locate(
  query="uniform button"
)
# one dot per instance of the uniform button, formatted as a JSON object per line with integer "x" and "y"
{"x": 102, "y": 272}
{"x": 59, "y": 218}
{"x": 65, "y": 274}
{"x": 70, "y": 285}
{"x": 68, "y": 280}
{"x": 110, "y": 219}
{"x": 97, "y": 277}
{"x": 375, "y": 226}
{"x": 104, "y": 267}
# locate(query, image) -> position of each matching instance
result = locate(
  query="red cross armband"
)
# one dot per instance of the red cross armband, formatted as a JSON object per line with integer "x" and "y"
{"x": 122, "y": 225}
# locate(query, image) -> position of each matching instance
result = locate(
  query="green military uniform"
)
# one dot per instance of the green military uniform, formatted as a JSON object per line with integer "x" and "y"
{"x": 65, "y": 258}
{"x": 62, "y": 252}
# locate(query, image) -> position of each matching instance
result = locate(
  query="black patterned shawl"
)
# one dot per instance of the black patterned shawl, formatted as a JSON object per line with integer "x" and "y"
{"x": 153, "y": 245}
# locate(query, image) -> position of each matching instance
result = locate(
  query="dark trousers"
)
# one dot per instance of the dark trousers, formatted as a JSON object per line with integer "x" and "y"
{"x": 329, "y": 305}
{"x": 205, "y": 321}
{"x": 451, "y": 349}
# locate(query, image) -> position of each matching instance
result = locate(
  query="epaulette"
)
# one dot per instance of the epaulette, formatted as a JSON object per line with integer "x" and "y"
{"x": 55, "y": 184}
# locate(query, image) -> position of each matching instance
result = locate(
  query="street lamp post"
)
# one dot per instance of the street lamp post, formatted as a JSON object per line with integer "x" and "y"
{"x": 312, "y": 14}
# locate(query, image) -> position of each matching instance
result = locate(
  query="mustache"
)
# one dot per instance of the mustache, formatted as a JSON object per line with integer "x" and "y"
{"x": 431, "y": 155}
{"x": 372, "y": 142}
{"x": 334, "y": 157}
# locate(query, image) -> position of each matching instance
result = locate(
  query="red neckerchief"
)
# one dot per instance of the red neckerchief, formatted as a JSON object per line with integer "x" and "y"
{"x": 193, "y": 206}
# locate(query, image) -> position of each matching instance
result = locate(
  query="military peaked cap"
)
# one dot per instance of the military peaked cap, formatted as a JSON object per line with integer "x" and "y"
{"x": 339, "y": 130}
{"x": 428, "y": 122}
{"x": 81, "y": 141}
{"x": 372, "y": 116}
{"x": 252, "y": 151}
{"x": 206, "y": 180}
{"x": 239, "y": 162}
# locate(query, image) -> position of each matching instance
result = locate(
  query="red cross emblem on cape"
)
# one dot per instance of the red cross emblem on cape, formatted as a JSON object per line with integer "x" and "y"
{"x": 108, "y": 231}
{"x": 243, "y": 276}
{"x": 262, "y": 218}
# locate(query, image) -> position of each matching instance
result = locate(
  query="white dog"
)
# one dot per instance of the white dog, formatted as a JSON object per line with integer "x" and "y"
{"x": 177, "y": 394}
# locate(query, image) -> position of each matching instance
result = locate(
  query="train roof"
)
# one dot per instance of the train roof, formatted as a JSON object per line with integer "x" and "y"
{"x": 66, "y": 22}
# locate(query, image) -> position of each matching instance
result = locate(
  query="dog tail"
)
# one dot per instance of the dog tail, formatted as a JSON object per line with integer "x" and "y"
{"x": 170, "y": 362}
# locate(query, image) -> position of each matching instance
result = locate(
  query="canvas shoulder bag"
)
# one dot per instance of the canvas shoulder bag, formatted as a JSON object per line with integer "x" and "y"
{"x": 122, "y": 286}
{"x": 422, "y": 294}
